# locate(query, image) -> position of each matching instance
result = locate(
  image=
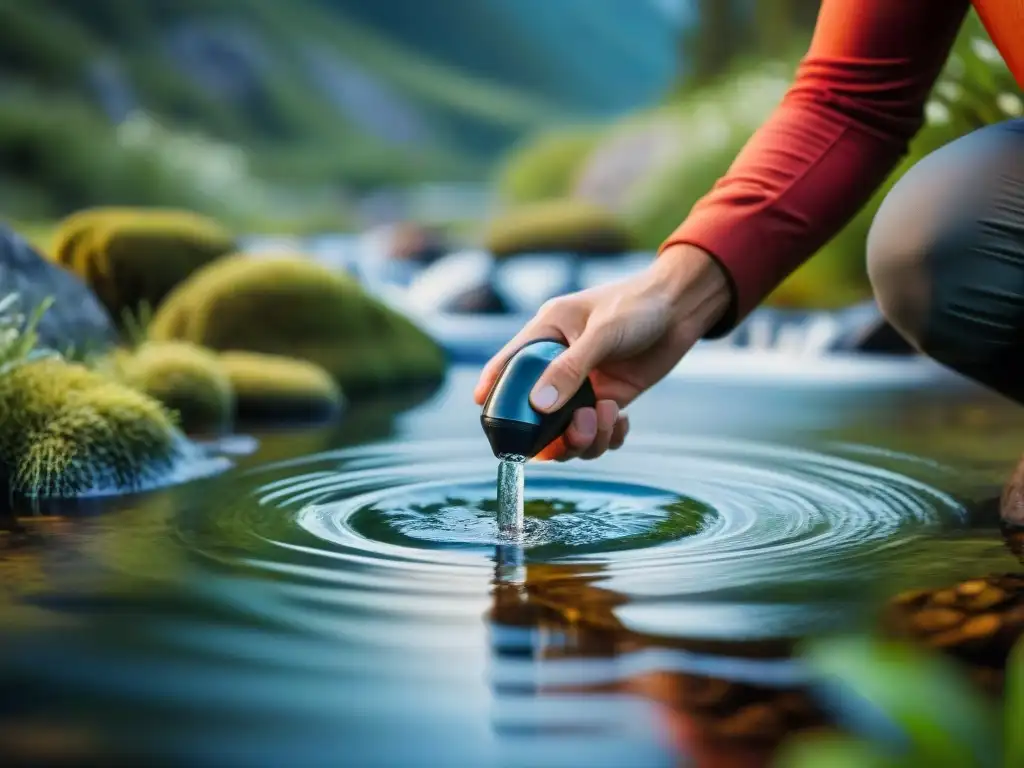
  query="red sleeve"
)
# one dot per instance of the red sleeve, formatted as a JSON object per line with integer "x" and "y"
{"x": 857, "y": 100}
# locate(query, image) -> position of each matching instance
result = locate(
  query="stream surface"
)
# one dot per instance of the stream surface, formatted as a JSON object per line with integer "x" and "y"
{"x": 345, "y": 597}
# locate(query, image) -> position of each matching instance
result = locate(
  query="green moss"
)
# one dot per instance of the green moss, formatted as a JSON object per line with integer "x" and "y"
{"x": 569, "y": 226}
{"x": 544, "y": 167}
{"x": 281, "y": 387}
{"x": 65, "y": 431}
{"x": 187, "y": 379}
{"x": 131, "y": 257}
{"x": 294, "y": 307}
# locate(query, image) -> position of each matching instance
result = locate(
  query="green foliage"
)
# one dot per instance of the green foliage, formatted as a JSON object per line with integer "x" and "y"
{"x": 294, "y": 307}
{"x": 544, "y": 167}
{"x": 281, "y": 387}
{"x": 713, "y": 125}
{"x": 58, "y": 154}
{"x": 943, "y": 720}
{"x": 185, "y": 378}
{"x": 68, "y": 431}
{"x": 567, "y": 225}
{"x": 132, "y": 258}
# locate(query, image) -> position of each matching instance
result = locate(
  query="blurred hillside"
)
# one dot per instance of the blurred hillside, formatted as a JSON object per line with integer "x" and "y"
{"x": 222, "y": 103}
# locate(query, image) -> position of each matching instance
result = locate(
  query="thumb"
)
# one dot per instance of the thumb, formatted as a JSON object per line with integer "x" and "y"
{"x": 567, "y": 372}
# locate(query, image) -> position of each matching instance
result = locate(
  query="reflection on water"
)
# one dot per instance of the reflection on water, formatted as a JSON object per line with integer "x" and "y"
{"x": 360, "y": 606}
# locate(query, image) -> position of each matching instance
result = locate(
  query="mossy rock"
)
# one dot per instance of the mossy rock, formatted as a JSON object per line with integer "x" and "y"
{"x": 545, "y": 167}
{"x": 558, "y": 226}
{"x": 186, "y": 378}
{"x": 68, "y": 431}
{"x": 130, "y": 257}
{"x": 294, "y": 307}
{"x": 274, "y": 387}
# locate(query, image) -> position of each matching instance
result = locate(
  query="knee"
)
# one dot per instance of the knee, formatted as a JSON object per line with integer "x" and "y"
{"x": 900, "y": 242}
{"x": 934, "y": 257}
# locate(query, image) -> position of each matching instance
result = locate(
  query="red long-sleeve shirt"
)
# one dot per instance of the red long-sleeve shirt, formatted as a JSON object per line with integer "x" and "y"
{"x": 857, "y": 100}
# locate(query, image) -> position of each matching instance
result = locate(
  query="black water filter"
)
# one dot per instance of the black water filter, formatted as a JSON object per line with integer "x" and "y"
{"x": 512, "y": 425}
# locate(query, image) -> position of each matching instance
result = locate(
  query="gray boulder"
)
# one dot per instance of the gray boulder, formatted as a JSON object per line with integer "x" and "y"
{"x": 75, "y": 320}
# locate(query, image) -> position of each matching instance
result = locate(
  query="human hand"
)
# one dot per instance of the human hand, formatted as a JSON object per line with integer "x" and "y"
{"x": 625, "y": 337}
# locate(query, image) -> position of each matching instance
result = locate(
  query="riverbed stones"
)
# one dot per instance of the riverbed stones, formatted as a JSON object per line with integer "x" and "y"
{"x": 976, "y": 621}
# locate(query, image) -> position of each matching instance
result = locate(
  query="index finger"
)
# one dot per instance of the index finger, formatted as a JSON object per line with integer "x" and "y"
{"x": 531, "y": 331}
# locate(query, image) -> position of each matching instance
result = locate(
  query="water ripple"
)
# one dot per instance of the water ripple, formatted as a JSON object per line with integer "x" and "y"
{"x": 703, "y": 537}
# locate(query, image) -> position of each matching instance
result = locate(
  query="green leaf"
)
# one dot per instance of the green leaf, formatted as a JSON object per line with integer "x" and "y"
{"x": 832, "y": 752}
{"x": 1014, "y": 715}
{"x": 944, "y": 720}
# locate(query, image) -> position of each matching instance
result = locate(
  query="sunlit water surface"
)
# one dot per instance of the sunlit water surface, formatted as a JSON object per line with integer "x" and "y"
{"x": 345, "y": 596}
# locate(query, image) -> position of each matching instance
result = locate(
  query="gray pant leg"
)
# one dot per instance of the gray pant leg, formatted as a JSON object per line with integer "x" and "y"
{"x": 946, "y": 256}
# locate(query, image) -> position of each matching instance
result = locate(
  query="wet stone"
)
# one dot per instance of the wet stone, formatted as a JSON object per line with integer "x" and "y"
{"x": 985, "y": 625}
{"x": 913, "y": 597}
{"x": 971, "y": 588}
{"x": 946, "y": 597}
{"x": 754, "y": 721}
{"x": 987, "y": 599}
{"x": 936, "y": 619}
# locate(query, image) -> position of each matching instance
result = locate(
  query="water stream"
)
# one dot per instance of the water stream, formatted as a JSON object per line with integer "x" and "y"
{"x": 511, "y": 485}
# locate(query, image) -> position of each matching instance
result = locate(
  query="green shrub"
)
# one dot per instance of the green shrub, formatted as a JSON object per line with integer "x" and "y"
{"x": 185, "y": 378}
{"x": 294, "y": 307}
{"x": 131, "y": 257}
{"x": 569, "y": 226}
{"x": 269, "y": 386}
{"x": 67, "y": 431}
{"x": 544, "y": 167}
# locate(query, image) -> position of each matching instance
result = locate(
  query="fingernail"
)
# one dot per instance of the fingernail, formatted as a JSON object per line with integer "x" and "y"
{"x": 545, "y": 397}
{"x": 586, "y": 421}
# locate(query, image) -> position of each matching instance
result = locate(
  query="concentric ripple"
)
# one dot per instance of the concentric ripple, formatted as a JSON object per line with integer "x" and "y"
{"x": 714, "y": 536}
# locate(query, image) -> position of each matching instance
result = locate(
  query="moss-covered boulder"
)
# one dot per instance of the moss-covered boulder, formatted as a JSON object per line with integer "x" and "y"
{"x": 269, "y": 387}
{"x": 131, "y": 257}
{"x": 68, "y": 431}
{"x": 186, "y": 378}
{"x": 545, "y": 167}
{"x": 558, "y": 226}
{"x": 294, "y": 307}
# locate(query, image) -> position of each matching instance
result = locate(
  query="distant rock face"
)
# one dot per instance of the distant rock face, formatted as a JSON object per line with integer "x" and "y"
{"x": 75, "y": 319}
{"x": 227, "y": 59}
{"x": 366, "y": 100}
{"x": 112, "y": 89}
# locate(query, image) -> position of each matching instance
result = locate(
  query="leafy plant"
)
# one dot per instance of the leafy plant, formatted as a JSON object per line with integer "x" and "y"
{"x": 135, "y": 323}
{"x": 914, "y": 709}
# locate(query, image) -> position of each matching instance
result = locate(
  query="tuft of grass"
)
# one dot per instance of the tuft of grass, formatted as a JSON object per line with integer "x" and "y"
{"x": 18, "y": 334}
